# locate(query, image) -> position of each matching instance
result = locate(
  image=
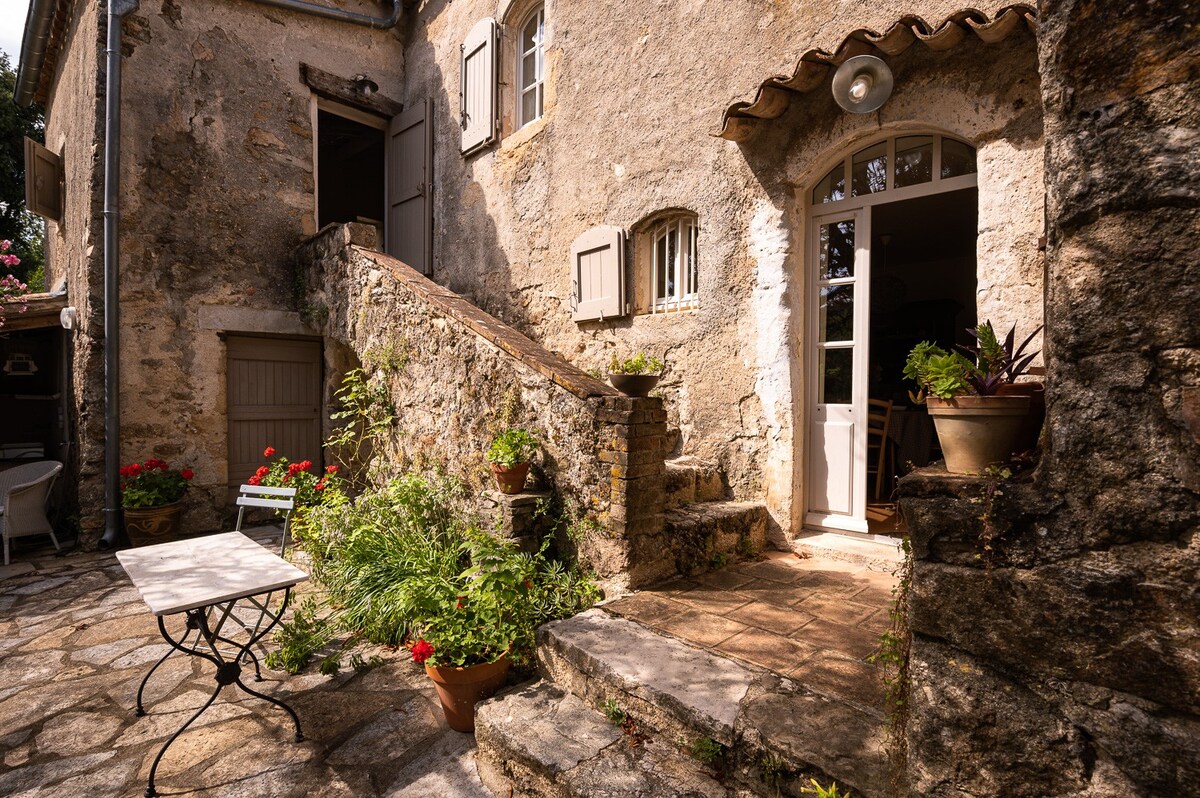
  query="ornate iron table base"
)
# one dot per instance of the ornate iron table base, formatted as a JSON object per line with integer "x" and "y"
{"x": 228, "y": 661}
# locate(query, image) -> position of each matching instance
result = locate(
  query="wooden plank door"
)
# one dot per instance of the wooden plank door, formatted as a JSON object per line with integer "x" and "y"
{"x": 409, "y": 226}
{"x": 838, "y": 326}
{"x": 274, "y": 399}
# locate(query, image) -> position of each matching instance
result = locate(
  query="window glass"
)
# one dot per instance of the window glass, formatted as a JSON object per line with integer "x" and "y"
{"x": 957, "y": 158}
{"x": 869, "y": 170}
{"x": 836, "y": 321}
{"x": 914, "y": 160}
{"x": 530, "y": 66}
{"x": 837, "y": 376}
{"x": 832, "y": 188}
{"x": 673, "y": 280}
{"x": 660, "y": 266}
{"x": 835, "y": 252}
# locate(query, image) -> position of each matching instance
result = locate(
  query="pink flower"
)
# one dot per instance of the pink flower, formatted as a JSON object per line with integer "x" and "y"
{"x": 269, "y": 451}
{"x": 421, "y": 652}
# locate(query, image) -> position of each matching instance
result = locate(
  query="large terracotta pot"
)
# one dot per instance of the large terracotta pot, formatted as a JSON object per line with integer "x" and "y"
{"x": 460, "y": 689}
{"x": 634, "y": 384}
{"x": 146, "y": 526}
{"x": 510, "y": 480}
{"x": 1031, "y": 430}
{"x": 978, "y": 431}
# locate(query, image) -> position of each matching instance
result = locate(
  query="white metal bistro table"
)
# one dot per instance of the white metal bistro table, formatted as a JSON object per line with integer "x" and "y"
{"x": 223, "y": 584}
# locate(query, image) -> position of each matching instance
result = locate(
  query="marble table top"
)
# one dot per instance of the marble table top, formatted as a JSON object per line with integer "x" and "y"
{"x": 197, "y": 572}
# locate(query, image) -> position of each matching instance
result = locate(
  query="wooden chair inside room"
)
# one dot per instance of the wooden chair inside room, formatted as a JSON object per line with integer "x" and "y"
{"x": 879, "y": 419}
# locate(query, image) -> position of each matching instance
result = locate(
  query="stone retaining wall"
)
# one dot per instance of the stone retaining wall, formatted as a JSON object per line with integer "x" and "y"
{"x": 458, "y": 375}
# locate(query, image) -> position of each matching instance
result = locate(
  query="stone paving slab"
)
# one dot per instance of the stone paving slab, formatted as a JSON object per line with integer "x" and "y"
{"x": 75, "y": 642}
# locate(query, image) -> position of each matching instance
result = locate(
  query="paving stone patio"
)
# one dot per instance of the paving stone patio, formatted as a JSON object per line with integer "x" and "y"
{"x": 814, "y": 619}
{"x": 75, "y": 641}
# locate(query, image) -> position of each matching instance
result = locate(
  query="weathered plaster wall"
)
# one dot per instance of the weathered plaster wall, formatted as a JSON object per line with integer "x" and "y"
{"x": 74, "y": 246}
{"x": 218, "y": 191}
{"x": 1070, "y": 667}
{"x": 631, "y": 102}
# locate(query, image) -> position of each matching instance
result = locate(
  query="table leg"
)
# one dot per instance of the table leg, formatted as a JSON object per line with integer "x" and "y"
{"x": 141, "y": 711}
{"x": 228, "y": 671}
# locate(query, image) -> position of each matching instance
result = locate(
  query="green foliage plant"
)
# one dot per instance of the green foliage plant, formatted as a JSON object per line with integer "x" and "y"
{"x": 17, "y": 224}
{"x": 512, "y": 447}
{"x": 638, "y": 364}
{"x": 832, "y": 791}
{"x": 365, "y": 419}
{"x": 612, "y": 710}
{"x": 312, "y": 487}
{"x": 893, "y": 657}
{"x": 708, "y": 751}
{"x": 938, "y": 372}
{"x": 303, "y": 635}
{"x": 153, "y": 484}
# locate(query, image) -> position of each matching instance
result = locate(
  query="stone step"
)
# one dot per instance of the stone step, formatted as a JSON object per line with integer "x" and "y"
{"x": 541, "y": 741}
{"x": 690, "y": 480}
{"x": 705, "y": 535}
{"x": 878, "y": 555}
{"x": 684, "y": 694}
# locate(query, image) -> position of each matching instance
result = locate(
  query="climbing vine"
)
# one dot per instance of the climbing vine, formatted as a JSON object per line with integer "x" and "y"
{"x": 895, "y": 646}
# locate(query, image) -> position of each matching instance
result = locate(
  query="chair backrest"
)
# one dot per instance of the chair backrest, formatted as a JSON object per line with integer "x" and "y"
{"x": 272, "y": 498}
{"x": 27, "y": 474}
{"x": 879, "y": 417}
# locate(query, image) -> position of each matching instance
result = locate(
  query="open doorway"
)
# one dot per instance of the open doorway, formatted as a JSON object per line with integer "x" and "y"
{"x": 350, "y": 167}
{"x": 922, "y": 289}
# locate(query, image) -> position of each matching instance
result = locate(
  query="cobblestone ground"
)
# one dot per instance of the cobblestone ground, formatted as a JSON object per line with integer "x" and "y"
{"x": 75, "y": 641}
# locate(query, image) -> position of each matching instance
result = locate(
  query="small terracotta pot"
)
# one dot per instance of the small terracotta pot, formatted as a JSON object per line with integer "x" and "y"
{"x": 1031, "y": 430}
{"x": 510, "y": 480}
{"x": 146, "y": 526}
{"x": 978, "y": 431}
{"x": 460, "y": 689}
{"x": 634, "y": 384}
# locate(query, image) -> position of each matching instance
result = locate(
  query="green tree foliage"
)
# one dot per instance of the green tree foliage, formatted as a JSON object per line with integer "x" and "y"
{"x": 16, "y": 224}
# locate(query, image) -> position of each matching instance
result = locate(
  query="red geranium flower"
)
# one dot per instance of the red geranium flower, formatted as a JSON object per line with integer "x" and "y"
{"x": 293, "y": 469}
{"x": 187, "y": 473}
{"x": 262, "y": 471}
{"x": 421, "y": 652}
{"x": 269, "y": 451}
{"x": 331, "y": 469}
{"x": 135, "y": 469}
{"x": 320, "y": 485}
{"x": 305, "y": 465}
{"x": 460, "y": 604}
{"x": 254, "y": 480}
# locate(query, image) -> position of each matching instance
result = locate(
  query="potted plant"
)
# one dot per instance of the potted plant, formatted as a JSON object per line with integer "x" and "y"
{"x": 152, "y": 497}
{"x": 977, "y": 426}
{"x": 636, "y": 376}
{"x": 510, "y": 455}
{"x": 1012, "y": 363}
{"x": 466, "y": 627}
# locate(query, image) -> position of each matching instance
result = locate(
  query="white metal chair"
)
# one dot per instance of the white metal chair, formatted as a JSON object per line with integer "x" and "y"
{"x": 272, "y": 498}
{"x": 23, "y": 494}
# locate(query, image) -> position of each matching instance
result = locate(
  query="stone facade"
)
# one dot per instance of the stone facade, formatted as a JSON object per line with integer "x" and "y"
{"x": 1064, "y": 663}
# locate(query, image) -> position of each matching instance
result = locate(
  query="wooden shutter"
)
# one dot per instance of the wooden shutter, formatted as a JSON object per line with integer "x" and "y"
{"x": 598, "y": 274}
{"x": 478, "y": 86}
{"x": 43, "y": 181}
{"x": 409, "y": 231}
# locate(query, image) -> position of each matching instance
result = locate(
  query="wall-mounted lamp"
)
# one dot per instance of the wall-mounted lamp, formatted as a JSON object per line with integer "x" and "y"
{"x": 68, "y": 317}
{"x": 365, "y": 86}
{"x": 862, "y": 84}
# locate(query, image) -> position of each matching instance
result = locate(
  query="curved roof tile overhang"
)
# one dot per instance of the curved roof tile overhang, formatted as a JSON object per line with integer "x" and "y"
{"x": 775, "y": 93}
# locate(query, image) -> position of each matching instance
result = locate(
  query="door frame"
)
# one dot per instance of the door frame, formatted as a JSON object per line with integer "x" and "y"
{"x": 860, "y": 207}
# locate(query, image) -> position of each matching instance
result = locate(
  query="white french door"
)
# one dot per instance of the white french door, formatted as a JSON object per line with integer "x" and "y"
{"x": 838, "y": 331}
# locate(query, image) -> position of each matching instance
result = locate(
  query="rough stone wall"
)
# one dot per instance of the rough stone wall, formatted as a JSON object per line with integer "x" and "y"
{"x": 74, "y": 247}
{"x": 1069, "y": 666}
{"x": 632, "y": 98}
{"x": 217, "y": 171}
{"x": 458, "y": 376}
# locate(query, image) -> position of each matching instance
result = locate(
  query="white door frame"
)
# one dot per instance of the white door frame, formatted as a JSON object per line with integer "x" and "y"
{"x": 818, "y": 417}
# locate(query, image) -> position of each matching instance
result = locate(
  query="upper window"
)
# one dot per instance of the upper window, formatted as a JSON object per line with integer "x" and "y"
{"x": 531, "y": 67}
{"x": 673, "y": 282}
{"x": 896, "y": 163}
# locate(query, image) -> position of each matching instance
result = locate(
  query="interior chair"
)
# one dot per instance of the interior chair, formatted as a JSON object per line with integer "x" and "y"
{"x": 266, "y": 496}
{"x": 879, "y": 419}
{"x": 23, "y": 494}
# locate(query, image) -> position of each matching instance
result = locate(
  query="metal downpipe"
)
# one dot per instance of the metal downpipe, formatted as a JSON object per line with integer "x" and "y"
{"x": 117, "y": 9}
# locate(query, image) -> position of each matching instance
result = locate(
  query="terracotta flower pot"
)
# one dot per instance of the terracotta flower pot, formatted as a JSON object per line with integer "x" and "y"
{"x": 146, "y": 526}
{"x": 460, "y": 689}
{"x": 512, "y": 479}
{"x": 634, "y": 384}
{"x": 978, "y": 431}
{"x": 1031, "y": 430}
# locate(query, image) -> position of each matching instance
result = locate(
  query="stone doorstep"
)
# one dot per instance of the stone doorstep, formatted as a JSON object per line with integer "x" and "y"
{"x": 678, "y": 692}
{"x": 874, "y": 554}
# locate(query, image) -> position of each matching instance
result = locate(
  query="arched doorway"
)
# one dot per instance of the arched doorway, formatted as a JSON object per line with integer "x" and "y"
{"x": 891, "y": 257}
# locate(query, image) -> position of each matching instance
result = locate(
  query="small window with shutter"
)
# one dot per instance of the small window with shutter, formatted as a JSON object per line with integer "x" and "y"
{"x": 598, "y": 274}
{"x": 43, "y": 181}
{"x": 479, "y": 87}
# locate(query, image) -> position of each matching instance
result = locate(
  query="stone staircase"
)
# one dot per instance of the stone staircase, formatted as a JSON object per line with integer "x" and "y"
{"x": 768, "y": 733}
{"x": 704, "y": 529}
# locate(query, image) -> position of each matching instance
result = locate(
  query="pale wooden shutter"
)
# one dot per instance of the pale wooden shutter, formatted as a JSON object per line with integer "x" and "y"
{"x": 478, "y": 86}
{"x": 598, "y": 274}
{"x": 43, "y": 180}
{"x": 409, "y": 230}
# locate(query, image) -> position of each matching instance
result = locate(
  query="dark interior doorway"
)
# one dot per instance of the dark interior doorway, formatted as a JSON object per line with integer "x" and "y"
{"x": 923, "y": 285}
{"x": 350, "y": 170}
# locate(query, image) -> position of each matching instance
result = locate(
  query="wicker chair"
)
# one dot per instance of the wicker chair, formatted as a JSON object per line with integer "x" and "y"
{"x": 23, "y": 493}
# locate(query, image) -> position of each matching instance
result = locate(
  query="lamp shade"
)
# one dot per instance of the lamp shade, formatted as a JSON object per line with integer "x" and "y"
{"x": 862, "y": 84}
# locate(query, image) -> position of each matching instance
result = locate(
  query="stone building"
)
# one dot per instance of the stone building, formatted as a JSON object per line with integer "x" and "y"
{"x": 580, "y": 179}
